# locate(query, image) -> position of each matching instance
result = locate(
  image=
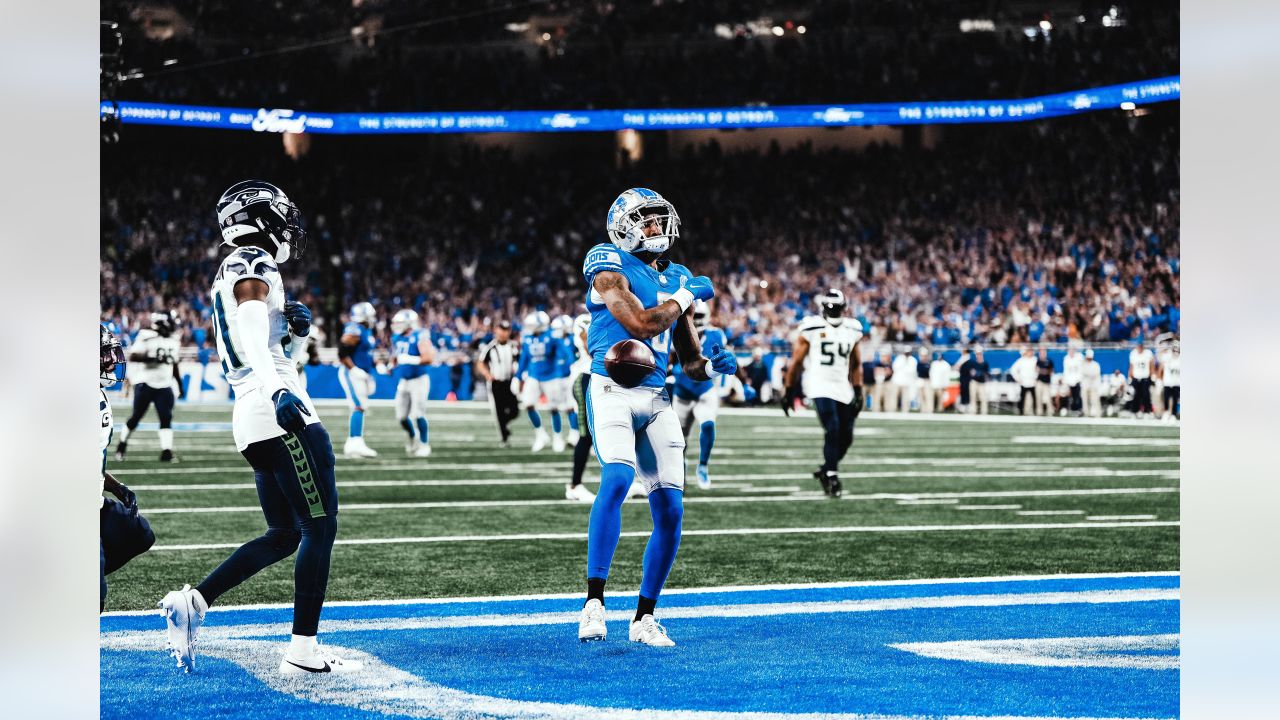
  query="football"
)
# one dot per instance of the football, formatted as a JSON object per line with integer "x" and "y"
{"x": 629, "y": 362}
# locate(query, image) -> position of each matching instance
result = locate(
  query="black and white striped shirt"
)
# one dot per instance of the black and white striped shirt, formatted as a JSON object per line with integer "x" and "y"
{"x": 501, "y": 359}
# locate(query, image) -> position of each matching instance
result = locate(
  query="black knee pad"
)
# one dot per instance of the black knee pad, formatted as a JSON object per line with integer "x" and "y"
{"x": 284, "y": 540}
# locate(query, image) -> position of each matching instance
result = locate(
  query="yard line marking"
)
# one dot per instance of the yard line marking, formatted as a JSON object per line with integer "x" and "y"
{"x": 987, "y": 507}
{"x": 521, "y": 537}
{"x": 836, "y": 585}
{"x": 1105, "y": 651}
{"x": 1116, "y": 518}
{"x": 1093, "y": 440}
{"x": 560, "y": 468}
{"x": 1050, "y": 512}
{"x": 948, "y": 498}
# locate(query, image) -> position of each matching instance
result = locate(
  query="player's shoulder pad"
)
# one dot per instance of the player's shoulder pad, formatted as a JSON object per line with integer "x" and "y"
{"x": 680, "y": 271}
{"x": 352, "y": 328}
{"x": 811, "y": 323}
{"x": 145, "y": 334}
{"x": 600, "y": 258}
{"x": 248, "y": 262}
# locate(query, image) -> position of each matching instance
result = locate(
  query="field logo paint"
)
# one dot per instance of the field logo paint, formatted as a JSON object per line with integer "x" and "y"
{"x": 1141, "y": 652}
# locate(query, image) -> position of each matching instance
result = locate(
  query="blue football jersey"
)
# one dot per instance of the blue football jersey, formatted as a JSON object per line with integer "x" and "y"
{"x": 649, "y": 285}
{"x": 687, "y": 387}
{"x": 407, "y": 344}
{"x": 363, "y": 355}
{"x": 566, "y": 353}
{"x": 538, "y": 356}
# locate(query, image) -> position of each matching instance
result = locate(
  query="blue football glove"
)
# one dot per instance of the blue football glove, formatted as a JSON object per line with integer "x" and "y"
{"x": 701, "y": 288}
{"x": 299, "y": 318}
{"x": 749, "y": 393}
{"x": 290, "y": 411}
{"x": 723, "y": 361}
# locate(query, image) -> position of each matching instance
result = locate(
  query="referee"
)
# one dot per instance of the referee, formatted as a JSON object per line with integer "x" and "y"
{"x": 497, "y": 363}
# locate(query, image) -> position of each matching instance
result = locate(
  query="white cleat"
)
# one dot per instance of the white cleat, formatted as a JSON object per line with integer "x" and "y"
{"x": 637, "y": 490}
{"x": 704, "y": 477}
{"x": 183, "y": 613}
{"x": 423, "y": 451}
{"x": 574, "y": 436}
{"x": 540, "y": 440}
{"x": 557, "y": 443}
{"x": 410, "y": 447}
{"x": 356, "y": 447}
{"x": 591, "y": 623}
{"x": 579, "y": 493}
{"x": 650, "y": 632}
{"x": 319, "y": 660}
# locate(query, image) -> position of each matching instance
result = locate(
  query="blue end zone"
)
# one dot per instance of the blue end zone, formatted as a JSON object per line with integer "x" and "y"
{"x": 789, "y": 650}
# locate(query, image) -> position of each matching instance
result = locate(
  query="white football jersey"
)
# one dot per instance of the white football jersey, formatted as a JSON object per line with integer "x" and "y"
{"x": 254, "y": 418}
{"x": 1172, "y": 365}
{"x": 582, "y": 365}
{"x": 1140, "y": 363}
{"x": 104, "y": 440}
{"x": 826, "y": 366}
{"x": 161, "y": 356}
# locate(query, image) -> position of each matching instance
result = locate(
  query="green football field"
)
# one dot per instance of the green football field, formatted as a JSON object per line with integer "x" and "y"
{"x": 923, "y": 499}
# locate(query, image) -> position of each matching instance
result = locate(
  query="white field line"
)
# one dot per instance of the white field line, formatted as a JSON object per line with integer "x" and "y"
{"x": 1105, "y": 651}
{"x": 947, "y": 498}
{"x": 987, "y": 507}
{"x": 524, "y": 537}
{"x": 528, "y": 469}
{"x": 1051, "y": 512}
{"x": 126, "y": 639}
{"x": 1117, "y": 518}
{"x": 836, "y": 585}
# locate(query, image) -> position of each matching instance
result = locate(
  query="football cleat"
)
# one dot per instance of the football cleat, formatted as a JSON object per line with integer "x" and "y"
{"x": 579, "y": 493}
{"x": 183, "y": 612}
{"x": 320, "y": 660}
{"x": 410, "y": 446}
{"x": 834, "y": 488}
{"x": 168, "y": 456}
{"x": 356, "y": 447}
{"x": 704, "y": 477}
{"x": 821, "y": 476}
{"x": 423, "y": 451}
{"x": 649, "y": 631}
{"x": 574, "y": 436}
{"x": 637, "y": 490}
{"x": 591, "y": 623}
{"x": 540, "y": 440}
{"x": 557, "y": 443}
{"x": 121, "y": 449}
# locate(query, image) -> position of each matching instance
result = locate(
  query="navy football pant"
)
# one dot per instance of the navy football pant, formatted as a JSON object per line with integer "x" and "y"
{"x": 299, "y": 498}
{"x": 837, "y": 424}
{"x": 123, "y": 535}
{"x": 143, "y": 397}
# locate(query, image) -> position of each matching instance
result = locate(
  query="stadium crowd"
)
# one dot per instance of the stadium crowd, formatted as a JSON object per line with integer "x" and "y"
{"x": 1025, "y": 233}
{"x": 619, "y": 55}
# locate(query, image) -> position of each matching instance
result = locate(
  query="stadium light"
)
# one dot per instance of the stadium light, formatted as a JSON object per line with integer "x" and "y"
{"x": 800, "y": 29}
{"x": 777, "y": 30}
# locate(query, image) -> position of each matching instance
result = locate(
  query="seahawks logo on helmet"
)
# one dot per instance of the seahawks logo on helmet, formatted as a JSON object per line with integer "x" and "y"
{"x": 255, "y": 212}
{"x": 641, "y": 220}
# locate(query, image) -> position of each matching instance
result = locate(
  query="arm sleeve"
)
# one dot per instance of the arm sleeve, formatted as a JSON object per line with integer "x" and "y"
{"x": 254, "y": 331}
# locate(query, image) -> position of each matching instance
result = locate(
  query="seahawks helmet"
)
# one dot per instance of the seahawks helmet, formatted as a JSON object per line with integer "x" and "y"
{"x": 536, "y": 322}
{"x": 561, "y": 326}
{"x": 701, "y": 315}
{"x": 110, "y": 355}
{"x": 164, "y": 323}
{"x": 255, "y": 212}
{"x": 404, "y": 321}
{"x": 832, "y": 305}
{"x": 632, "y": 212}
{"x": 364, "y": 314}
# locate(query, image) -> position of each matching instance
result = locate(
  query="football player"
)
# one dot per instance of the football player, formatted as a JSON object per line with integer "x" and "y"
{"x": 355, "y": 373}
{"x": 123, "y": 533}
{"x": 275, "y": 427}
{"x": 411, "y": 355}
{"x": 536, "y": 374}
{"x": 581, "y": 371}
{"x": 561, "y": 394}
{"x": 156, "y": 348}
{"x": 827, "y": 350}
{"x": 698, "y": 400}
{"x": 636, "y": 293}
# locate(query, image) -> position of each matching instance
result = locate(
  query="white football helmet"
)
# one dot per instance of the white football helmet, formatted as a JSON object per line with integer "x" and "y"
{"x": 581, "y": 323}
{"x": 364, "y": 314}
{"x": 561, "y": 326}
{"x": 536, "y": 322}
{"x": 404, "y": 321}
{"x": 632, "y": 212}
{"x": 701, "y": 315}
{"x": 832, "y": 305}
